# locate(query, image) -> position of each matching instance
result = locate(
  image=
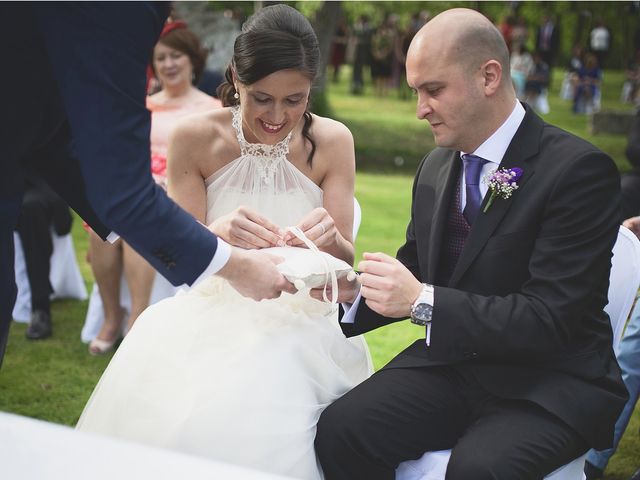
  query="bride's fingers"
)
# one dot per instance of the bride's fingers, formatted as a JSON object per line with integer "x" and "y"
{"x": 255, "y": 234}
{"x": 270, "y": 231}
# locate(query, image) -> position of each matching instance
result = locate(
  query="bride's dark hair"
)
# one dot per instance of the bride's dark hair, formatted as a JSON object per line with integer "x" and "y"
{"x": 274, "y": 38}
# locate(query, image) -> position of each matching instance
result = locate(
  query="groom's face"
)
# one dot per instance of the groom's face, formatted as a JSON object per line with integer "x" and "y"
{"x": 450, "y": 95}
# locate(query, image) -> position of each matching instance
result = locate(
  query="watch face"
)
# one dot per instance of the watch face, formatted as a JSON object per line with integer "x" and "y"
{"x": 423, "y": 312}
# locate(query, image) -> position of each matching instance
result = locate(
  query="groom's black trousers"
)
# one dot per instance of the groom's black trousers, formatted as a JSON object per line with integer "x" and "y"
{"x": 398, "y": 414}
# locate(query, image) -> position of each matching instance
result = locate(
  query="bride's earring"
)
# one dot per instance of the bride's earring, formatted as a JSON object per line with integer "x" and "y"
{"x": 236, "y": 95}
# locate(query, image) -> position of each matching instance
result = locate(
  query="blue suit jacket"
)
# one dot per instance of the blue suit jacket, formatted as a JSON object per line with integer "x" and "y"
{"x": 77, "y": 71}
{"x": 82, "y": 75}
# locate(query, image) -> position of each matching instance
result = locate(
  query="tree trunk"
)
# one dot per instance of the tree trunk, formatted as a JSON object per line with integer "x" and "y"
{"x": 324, "y": 26}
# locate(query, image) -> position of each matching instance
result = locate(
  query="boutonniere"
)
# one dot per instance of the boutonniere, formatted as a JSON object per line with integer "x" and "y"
{"x": 502, "y": 183}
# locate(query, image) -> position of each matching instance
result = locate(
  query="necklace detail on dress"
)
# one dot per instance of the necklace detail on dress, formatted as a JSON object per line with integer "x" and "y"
{"x": 266, "y": 157}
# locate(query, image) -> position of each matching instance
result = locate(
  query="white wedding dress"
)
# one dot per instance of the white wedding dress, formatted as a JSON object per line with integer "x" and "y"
{"x": 211, "y": 373}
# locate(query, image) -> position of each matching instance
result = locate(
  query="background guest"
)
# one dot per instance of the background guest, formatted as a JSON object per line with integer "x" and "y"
{"x": 548, "y": 41}
{"x": 600, "y": 41}
{"x": 571, "y": 75}
{"x": 42, "y": 210}
{"x": 178, "y": 61}
{"x": 587, "y": 87}
{"x": 362, "y": 32}
{"x": 521, "y": 64}
{"x": 382, "y": 54}
{"x": 339, "y": 48}
{"x": 535, "y": 90}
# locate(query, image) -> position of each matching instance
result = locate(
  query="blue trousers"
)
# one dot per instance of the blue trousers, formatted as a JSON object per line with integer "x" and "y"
{"x": 628, "y": 355}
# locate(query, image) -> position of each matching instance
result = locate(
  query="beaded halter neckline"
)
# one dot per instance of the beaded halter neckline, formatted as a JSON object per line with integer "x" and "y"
{"x": 258, "y": 150}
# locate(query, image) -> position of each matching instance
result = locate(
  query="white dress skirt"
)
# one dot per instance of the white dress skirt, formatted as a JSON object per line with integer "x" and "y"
{"x": 212, "y": 373}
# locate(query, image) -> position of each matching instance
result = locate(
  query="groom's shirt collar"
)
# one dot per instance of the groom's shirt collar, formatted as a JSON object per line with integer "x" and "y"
{"x": 494, "y": 147}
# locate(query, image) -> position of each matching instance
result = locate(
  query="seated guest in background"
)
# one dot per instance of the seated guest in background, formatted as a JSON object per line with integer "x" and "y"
{"x": 178, "y": 61}
{"x": 587, "y": 88}
{"x": 516, "y": 372}
{"x": 42, "y": 210}
{"x": 631, "y": 85}
{"x": 537, "y": 84}
{"x": 628, "y": 354}
{"x": 570, "y": 78}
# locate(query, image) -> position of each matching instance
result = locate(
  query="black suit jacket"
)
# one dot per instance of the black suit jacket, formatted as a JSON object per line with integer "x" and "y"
{"x": 525, "y": 302}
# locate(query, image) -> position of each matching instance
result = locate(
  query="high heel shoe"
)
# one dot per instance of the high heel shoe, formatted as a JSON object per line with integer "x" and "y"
{"x": 101, "y": 347}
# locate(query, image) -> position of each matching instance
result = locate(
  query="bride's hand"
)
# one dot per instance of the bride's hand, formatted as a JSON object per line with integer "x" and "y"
{"x": 246, "y": 229}
{"x": 318, "y": 226}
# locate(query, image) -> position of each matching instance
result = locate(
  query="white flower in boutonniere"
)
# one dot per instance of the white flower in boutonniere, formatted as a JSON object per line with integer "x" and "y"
{"x": 502, "y": 183}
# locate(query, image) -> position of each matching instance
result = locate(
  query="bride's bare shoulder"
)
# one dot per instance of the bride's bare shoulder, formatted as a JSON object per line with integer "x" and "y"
{"x": 333, "y": 139}
{"x": 203, "y": 129}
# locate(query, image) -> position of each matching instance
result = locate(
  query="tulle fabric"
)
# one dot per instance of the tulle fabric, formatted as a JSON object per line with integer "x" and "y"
{"x": 212, "y": 373}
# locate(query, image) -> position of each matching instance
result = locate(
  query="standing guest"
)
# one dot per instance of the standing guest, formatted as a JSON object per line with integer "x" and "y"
{"x": 520, "y": 31}
{"x": 178, "y": 62}
{"x": 82, "y": 70}
{"x": 506, "y": 28}
{"x": 362, "y": 32}
{"x": 339, "y": 48}
{"x": 42, "y": 210}
{"x": 516, "y": 373}
{"x": 382, "y": 54}
{"x": 600, "y": 41}
{"x": 548, "y": 41}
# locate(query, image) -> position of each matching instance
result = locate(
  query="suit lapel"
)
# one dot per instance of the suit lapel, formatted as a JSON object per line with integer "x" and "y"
{"x": 445, "y": 183}
{"x": 523, "y": 147}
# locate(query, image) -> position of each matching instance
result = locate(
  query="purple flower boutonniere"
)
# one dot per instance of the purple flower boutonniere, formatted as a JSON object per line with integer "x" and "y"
{"x": 502, "y": 183}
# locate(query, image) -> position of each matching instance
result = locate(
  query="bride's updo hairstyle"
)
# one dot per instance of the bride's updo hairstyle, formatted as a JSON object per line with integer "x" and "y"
{"x": 275, "y": 38}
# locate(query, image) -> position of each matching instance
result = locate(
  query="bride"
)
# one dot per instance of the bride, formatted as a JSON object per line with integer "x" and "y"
{"x": 210, "y": 372}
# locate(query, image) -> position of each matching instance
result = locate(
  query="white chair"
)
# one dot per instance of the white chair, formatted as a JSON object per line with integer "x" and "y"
{"x": 624, "y": 281}
{"x": 357, "y": 218}
{"x": 65, "y": 277}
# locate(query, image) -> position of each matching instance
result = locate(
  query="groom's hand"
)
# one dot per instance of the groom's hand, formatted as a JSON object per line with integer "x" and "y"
{"x": 254, "y": 274}
{"x": 347, "y": 291}
{"x": 387, "y": 285}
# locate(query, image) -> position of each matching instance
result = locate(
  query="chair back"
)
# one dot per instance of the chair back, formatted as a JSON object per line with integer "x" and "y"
{"x": 624, "y": 281}
{"x": 357, "y": 218}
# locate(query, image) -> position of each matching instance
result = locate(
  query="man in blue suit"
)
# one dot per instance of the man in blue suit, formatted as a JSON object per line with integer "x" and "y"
{"x": 77, "y": 70}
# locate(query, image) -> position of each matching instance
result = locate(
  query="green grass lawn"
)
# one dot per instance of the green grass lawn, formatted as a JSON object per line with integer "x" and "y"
{"x": 53, "y": 379}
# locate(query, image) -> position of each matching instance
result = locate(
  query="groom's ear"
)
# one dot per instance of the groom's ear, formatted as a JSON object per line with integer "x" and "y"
{"x": 492, "y": 74}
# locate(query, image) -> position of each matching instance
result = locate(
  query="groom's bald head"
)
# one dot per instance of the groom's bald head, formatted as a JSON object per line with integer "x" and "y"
{"x": 458, "y": 64}
{"x": 465, "y": 37}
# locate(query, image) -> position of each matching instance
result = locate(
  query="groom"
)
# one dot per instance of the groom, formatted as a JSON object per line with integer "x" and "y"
{"x": 516, "y": 371}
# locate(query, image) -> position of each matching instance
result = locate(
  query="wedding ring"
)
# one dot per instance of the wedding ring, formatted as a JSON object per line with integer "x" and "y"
{"x": 323, "y": 229}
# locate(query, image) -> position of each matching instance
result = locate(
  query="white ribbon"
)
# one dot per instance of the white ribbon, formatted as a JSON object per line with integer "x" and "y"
{"x": 327, "y": 268}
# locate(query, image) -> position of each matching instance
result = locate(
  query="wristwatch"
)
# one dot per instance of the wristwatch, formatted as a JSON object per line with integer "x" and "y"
{"x": 422, "y": 308}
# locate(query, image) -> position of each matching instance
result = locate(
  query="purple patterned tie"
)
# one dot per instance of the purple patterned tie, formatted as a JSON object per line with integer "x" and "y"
{"x": 472, "y": 167}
